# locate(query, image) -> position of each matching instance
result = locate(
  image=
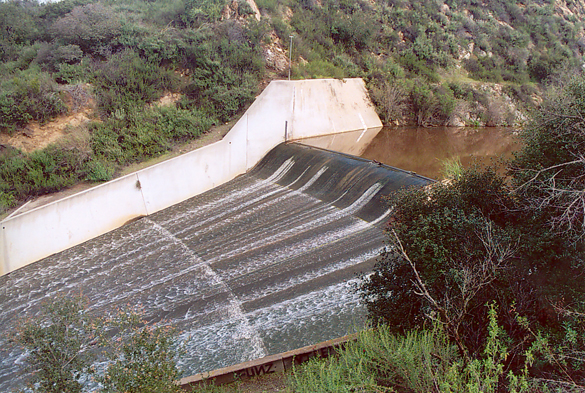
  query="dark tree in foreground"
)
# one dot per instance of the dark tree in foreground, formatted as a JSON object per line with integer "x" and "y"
{"x": 549, "y": 172}
{"x": 455, "y": 247}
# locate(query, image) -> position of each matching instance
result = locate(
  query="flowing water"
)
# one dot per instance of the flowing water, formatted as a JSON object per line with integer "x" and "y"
{"x": 257, "y": 266}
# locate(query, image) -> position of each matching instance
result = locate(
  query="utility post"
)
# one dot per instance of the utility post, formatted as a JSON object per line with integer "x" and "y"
{"x": 290, "y": 57}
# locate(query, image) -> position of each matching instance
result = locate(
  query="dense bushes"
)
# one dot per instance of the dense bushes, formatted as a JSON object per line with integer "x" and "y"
{"x": 126, "y": 81}
{"x": 128, "y": 137}
{"x": 91, "y": 27}
{"x": 477, "y": 239}
{"x": 548, "y": 172}
{"x": 40, "y": 172}
{"x": 226, "y": 66}
{"x": 420, "y": 361}
{"x": 28, "y": 95}
{"x": 138, "y": 134}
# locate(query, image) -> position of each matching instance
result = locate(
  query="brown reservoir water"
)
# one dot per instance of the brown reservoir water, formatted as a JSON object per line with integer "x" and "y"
{"x": 425, "y": 150}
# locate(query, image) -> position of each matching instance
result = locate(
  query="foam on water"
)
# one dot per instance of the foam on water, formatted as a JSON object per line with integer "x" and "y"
{"x": 260, "y": 265}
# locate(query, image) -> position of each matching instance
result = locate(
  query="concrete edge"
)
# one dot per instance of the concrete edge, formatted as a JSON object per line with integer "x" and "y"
{"x": 16, "y": 213}
{"x": 74, "y": 219}
{"x": 267, "y": 365}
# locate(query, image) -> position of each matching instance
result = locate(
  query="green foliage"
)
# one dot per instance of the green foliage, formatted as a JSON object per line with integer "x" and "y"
{"x": 226, "y": 69}
{"x": 452, "y": 168}
{"x": 127, "y": 81}
{"x": 380, "y": 361}
{"x": 62, "y": 351}
{"x": 57, "y": 346}
{"x": 444, "y": 235}
{"x": 43, "y": 171}
{"x": 420, "y": 361}
{"x": 198, "y": 12}
{"x": 90, "y": 27}
{"x": 431, "y": 105}
{"x": 318, "y": 69}
{"x": 140, "y": 134}
{"x": 28, "y": 95}
{"x": 99, "y": 171}
{"x": 475, "y": 240}
{"x": 548, "y": 171}
{"x": 17, "y": 27}
{"x": 142, "y": 358}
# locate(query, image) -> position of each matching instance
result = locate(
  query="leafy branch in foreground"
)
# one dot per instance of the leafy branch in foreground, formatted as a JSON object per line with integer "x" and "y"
{"x": 549, "y": 172}
{"x": 63, "y": 345}
{"x": 143, "y": 358}
{"x": 58, "y": 346}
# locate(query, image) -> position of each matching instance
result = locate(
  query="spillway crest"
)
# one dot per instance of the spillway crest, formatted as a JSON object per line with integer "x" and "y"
{"x": 260, "y": 265}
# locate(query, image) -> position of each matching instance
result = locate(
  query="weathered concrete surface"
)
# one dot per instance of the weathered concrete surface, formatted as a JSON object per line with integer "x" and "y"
{"x": 257, "y": 266}
{"x": 305, "y": 108}
{"x": 278, "y": 363}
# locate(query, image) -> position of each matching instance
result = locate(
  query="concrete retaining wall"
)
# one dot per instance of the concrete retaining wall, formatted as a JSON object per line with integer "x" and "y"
{"x": 267, "y": 365}
{"x": 286, "y": 110}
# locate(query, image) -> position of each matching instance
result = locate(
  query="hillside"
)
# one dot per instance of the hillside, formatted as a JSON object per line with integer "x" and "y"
{"x": 103, "y": 64}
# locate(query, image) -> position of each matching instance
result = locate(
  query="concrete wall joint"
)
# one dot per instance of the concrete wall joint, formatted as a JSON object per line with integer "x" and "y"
{"x": 310, "y": 107}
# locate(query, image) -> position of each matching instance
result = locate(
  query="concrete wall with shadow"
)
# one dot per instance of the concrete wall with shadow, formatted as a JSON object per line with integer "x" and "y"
{"x": 285, "y": 110}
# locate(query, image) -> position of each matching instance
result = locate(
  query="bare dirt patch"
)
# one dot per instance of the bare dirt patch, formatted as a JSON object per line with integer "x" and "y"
{"x": 38, "y": 136}
{"x": 264, "y": 384}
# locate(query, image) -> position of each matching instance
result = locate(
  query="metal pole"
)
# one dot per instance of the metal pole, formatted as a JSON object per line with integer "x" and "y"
{"x": 290, "y": 57}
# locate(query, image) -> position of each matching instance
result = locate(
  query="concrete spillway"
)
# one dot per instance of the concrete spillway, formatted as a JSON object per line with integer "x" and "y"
{"x": 259, "y": 265}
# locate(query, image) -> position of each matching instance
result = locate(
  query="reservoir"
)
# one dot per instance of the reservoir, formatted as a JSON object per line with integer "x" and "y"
{"x": 425, "y": 150}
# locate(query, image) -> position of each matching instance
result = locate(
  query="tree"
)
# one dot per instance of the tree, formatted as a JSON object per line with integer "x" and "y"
{"x": 89, "y": 26}
{"x": 549, "y": 172}
{"x": 482, "y": 238}
{"x": 58, "y": 346}
{"x": 447, "y": 255}
{"x": 63, "y": 344}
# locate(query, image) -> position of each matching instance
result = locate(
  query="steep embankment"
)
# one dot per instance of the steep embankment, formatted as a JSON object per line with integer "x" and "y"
{"x": 425, "y": 62}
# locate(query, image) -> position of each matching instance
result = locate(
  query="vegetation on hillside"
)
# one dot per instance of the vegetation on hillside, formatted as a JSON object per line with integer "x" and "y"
{"x": 427, "y": 62}
{"x": 482, "y": 276}
{"x": 480, "y": 287}
{"x": 126, "y": 55}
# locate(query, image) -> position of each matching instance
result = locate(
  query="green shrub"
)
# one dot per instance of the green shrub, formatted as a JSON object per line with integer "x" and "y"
{"x": 43, "y": 171}
{"x": 318, "y": 69}
{"x": 99, "y": 171}
{"x": 432, "y": 106}
{"x": 127, "y": 81}
{"x": 90, "y": 27}
{"x": 57, "y": 345}
{"x": 63, "y": 343}
{"x": 28, "y": 95}
{"x": 421, "y": 361}
{"x": 227, "y": 67}
{"x": 142, "y": 358}
{"x": 7, "y": 201}
{"x": 140, "y": 134}
{"x": 200, "y": 12}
